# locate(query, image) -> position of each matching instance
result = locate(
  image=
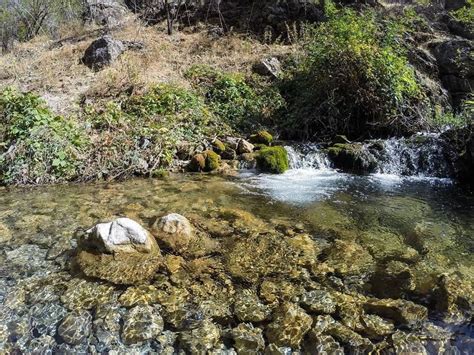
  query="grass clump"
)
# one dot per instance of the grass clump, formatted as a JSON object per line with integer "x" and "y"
{"x": 273, "y": 160}
{"x": 37, "y": 146}
{"x": 352, "y": 79}
{"x": 243, "y": 103}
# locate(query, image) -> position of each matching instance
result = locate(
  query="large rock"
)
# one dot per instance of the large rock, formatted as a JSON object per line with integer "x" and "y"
{"x": 352, "y": 157}
{"x": 104, "y": 12}
{"x": 174, "y": 230}
{"x": 121, "y": 236}
{"x": 268, "y": 67}
{"x": 103, "y": 52}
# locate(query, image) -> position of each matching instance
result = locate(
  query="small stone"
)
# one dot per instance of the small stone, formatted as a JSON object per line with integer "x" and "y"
{"x": 44, "y": 318}
{"x": 122, "y": 235}
{"x": 248, "y": 340}
{"x": 82, "y": 294}
{"x": 75, "y": 327}
{"x": 289, "y": 326}
{"x": 245, "y": 147}
{"x": 376, "y": 326}
{"x": 140, "y": 324}
{"x": 268, "y": 67}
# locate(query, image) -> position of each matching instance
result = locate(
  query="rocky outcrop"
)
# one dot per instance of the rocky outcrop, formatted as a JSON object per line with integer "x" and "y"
{"x": 456, "y": 67}
{"x": 104, "y": 12}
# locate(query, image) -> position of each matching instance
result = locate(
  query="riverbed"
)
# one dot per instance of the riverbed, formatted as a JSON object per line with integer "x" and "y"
{"x": 298, "y": 263}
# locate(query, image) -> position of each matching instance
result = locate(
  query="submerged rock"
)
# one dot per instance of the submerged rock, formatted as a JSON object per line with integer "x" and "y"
{"x": 126, "y": 269}
{"x": 247, "y": 339}
{"x": 174, "y": 230}
{"x": 400, "y": 311}
{"x": 202, "y": 339}
{"x": 120, "y": 236}
{"x": 5, "y": 233}
{"x": 249, "y": 308}
{"x": 289, "y": 326}
{"x": 318, "y": 301}
{"x": 76, "y": 327}
{"x": 455, "y": 298}
{"x": 140, "y": 324}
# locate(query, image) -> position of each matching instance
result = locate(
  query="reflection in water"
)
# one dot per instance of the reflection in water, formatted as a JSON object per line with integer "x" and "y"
{"x": 294, "y": 252}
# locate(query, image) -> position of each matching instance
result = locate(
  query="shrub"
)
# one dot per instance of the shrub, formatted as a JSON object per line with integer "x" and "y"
{"x": 353, "y": 79}
{"x": 273, "y": 160}
{"x": 36, "y": 145}
{"x": 243, "y": 103}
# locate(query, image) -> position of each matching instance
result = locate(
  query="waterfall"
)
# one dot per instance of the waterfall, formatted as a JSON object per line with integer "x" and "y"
{"x": 421, "y": 155}
{"x": 307, "y": 156}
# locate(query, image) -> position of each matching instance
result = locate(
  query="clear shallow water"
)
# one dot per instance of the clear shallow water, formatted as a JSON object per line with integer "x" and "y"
{"x": 425, "y": 224}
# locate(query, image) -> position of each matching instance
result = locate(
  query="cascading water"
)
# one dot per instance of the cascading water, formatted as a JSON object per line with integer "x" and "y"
{"x": 422, "y": 155}
{"x": 307, "y": 156}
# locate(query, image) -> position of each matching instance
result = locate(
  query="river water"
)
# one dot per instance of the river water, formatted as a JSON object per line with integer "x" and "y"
{"x": 279, "y": 237}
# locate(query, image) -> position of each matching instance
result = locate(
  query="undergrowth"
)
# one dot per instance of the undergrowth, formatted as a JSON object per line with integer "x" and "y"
{"x": 353, "y": 79}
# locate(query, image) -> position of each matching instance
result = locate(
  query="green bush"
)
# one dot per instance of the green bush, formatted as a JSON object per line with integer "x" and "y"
{"x": 243, "y": 103}
{"x": 37, "y": 146}
{"x": 273, "y": 160}
{"x": 465, "y": 14}
{"x": 352, "y": 79}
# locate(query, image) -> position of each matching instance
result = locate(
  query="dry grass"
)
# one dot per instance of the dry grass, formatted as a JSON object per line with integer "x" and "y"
{"x": 58, "y": 75}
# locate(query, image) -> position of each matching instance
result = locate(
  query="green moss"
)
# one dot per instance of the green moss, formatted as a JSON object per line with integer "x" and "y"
{"x": 273, "y": 160}
{"x": 213, "y": 161}
{"x": 261, "y": 137}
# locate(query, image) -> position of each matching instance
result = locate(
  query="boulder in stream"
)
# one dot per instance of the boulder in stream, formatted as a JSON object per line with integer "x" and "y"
{"x": 122, "y": 252}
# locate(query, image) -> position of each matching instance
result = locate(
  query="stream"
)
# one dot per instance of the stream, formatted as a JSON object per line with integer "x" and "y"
{"x": 302, "y": 260}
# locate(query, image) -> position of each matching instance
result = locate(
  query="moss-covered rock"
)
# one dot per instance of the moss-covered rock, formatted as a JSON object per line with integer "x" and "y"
{"x": 213, "y": 161}
{"x": 261, "y": 137}
{"x": 198, "y": 163}
{"x": 353, "y": 158}
{"x": 206, "y": 161}
{"x": 273, "y": 160}
{"x": 218, "y": 146}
